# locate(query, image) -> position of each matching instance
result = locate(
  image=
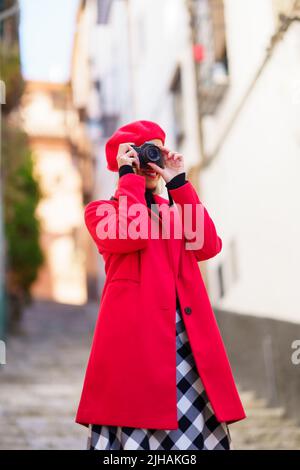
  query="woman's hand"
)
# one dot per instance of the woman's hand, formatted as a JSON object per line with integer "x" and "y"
{"x": 127, "y": 156}
{"x": 174, "y": 164}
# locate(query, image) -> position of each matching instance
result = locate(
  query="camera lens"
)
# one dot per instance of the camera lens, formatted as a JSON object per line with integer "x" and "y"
{"x": 153, "y": 154}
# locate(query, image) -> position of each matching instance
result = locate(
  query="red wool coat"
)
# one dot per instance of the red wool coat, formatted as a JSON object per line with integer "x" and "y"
{"x": 130, "y": 378}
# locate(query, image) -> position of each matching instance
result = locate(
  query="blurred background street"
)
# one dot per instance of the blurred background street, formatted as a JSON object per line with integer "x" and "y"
{"x": 41, "y": 385}
{"x": 222, "y": 78}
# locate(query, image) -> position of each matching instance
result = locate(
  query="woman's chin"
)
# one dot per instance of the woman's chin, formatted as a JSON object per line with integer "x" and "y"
{"x": 150, "y": 183}
{"x": 150, "y": 186}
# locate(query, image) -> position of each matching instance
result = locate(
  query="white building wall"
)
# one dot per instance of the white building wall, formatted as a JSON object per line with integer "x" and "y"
{"x": 252, "y": 186}
{"x": 160, "y": 41}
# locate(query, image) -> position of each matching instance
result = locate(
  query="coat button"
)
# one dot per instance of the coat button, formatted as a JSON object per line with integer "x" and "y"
{"x": 188, "y": 310}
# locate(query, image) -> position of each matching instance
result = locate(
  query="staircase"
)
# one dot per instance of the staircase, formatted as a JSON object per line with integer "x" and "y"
{"x": 264, "y": 428}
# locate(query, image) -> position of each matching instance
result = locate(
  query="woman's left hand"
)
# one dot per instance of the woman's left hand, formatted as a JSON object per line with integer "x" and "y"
{"x": 174, "y": 164}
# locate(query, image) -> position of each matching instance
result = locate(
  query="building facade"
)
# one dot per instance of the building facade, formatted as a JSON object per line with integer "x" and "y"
{"x": 58, "y": 145}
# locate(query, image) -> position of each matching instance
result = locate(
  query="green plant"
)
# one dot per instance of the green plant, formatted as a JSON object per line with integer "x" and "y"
{"x": 21, "y": 225}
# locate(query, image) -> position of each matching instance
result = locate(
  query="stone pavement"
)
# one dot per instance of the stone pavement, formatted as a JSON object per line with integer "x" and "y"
{"x": 41, "y": 382}
{"x": 265, "y": 428}
{"x": 41, "y": 385}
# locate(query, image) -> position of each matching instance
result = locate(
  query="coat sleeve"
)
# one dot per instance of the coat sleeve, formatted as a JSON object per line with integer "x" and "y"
{"x": 132, "y": 186}
{"x": 212, "y": 243}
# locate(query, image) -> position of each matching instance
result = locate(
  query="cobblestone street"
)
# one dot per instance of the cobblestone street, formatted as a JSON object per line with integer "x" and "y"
{"x": 41, "y": 385}
{"x": 42, "y": 380}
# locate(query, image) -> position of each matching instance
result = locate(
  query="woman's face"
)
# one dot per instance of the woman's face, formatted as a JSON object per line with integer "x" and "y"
{"x": 150, "y": 175}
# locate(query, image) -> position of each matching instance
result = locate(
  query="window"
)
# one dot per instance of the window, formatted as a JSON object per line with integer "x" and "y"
{"x": 227, "y": 271}
{"x": 103, "y": 10}
{"x": 177, "y": 103}
{"x": 213, "y": 70}
{"x": 59, "y": 99}
{"x": 233, "y": 261}
{"x": 221, "y": 281}
{"x": 97, "y": 85}
{"x": 109, "y": 123}
{"x": 218, "y": 31}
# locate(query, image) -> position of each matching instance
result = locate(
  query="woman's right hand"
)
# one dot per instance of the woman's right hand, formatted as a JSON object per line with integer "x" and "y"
{"x": 127, "y": 156}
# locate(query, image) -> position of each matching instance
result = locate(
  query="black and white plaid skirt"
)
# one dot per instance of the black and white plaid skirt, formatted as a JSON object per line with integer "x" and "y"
{"x": 198, "y": 426}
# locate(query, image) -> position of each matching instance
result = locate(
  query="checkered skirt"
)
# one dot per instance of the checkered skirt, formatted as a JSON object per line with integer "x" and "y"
{"x": 198, "y": 426}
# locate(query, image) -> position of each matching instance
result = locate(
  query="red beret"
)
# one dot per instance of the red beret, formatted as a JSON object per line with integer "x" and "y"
{"x": 136, "y": 132}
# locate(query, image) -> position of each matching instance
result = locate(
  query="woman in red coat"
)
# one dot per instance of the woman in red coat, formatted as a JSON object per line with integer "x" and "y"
{"x": 158, "y": 376}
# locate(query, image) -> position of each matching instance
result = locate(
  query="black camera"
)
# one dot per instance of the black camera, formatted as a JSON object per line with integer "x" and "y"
{"x": 148, "y": 152}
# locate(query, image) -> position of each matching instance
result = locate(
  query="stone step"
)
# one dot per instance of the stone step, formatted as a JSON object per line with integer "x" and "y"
{"x": 265, "y": 427}
{"x": 273, "y": 423}
{"x": 249, "y": 400}
{"x": 267, "y": 430}
{"x": 265, "y": 413}
{"x": 265, "y": 444}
